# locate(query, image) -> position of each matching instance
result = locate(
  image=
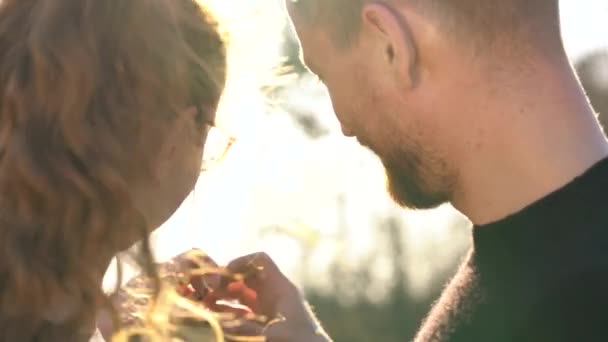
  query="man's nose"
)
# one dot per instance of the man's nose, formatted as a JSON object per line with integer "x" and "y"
{"x": 347, "y": 132}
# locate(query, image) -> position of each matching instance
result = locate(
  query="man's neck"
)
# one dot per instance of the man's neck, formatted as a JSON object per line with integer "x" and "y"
{"x": 535, "y": 139}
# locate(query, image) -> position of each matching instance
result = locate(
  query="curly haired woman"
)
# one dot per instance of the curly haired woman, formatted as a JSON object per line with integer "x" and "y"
{"x": 104, "y": 111}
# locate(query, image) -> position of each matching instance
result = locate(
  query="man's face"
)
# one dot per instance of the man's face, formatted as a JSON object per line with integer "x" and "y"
{"x": 370, "y": 108}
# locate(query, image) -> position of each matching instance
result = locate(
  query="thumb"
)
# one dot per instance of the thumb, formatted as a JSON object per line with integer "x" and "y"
{"x": 284, "y": 332}
{"x": 241, "y": 330}
{"x": 277, "y": 332}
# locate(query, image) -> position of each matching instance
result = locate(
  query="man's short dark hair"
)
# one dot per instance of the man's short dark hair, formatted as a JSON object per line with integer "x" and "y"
{"x": 477, "y": 21}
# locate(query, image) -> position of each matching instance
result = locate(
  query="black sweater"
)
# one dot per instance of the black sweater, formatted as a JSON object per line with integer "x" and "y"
{"x": 538, "y": 275}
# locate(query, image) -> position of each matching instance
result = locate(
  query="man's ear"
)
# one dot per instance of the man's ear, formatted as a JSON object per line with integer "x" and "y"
{"x": 394, "y": 33}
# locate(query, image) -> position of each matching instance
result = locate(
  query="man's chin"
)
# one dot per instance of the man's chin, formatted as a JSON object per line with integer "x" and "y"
{"x": 408, "y": 193}
{"x": 406, "y": 201}
{"x": 370, "y": 148}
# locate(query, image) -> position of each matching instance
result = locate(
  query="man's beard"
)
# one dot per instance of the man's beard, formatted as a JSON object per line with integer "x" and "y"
{"x": 416, "y": 179}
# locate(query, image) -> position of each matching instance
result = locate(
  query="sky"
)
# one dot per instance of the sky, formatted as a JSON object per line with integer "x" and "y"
{"x": 584, "y": 25}
{"x": 330, "y": 191}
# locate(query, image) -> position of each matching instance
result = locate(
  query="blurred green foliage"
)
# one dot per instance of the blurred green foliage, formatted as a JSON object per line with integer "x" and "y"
{"x": 396, "y": 317}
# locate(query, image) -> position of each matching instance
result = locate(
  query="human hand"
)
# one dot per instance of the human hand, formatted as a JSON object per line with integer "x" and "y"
{"x": 133, "y": 298}
{"x": 257, "y": 283}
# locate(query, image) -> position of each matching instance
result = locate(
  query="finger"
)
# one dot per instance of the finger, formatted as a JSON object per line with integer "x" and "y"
{"x": 241, "y": 292}
{"x": 210, "y": 299}
{"x": 278, "y": 332}
{"x": 204, "y": 283}
{"x": 236, "y": 291}
{"x": 195, "y": 258}
{"x": 185, "y": 290}
{"x": 282, "y": 331}
{"x": 241, "y": 328}
{"x": 215, "y": 304}
{"x": 239, "y": 311}
{"x": 256, "y": 260}
{"x": 258, "y": 271}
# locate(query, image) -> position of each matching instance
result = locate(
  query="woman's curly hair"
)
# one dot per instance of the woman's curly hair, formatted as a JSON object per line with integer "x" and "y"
{"x": 80, "y": 80}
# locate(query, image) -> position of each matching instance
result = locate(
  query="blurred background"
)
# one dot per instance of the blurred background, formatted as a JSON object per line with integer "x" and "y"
{"x": 294, "y": 187}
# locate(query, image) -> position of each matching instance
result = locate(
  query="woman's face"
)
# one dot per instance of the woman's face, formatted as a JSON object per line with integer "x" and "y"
{"x": 178, "y": 143}
{"x": 175, "y": 170}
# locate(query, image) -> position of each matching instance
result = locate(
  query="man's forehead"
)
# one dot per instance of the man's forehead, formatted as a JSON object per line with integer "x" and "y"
{"x": 315, "y": 41}
{"x": 306, "y": 11}
{"x": 307, "y": 54}
{"x": 314, "y": 47}
{"x": 301, "y": 4}
{"x": 307, "y": 61}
